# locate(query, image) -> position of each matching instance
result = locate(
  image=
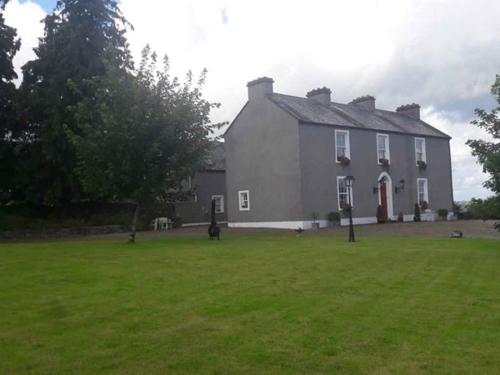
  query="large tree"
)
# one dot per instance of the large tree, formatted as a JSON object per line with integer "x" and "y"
{"x": 82, "y": 39}
{"x": 142, "y": 134}
{"x": 488, "y": 153}
{"x": 9, "y": 45}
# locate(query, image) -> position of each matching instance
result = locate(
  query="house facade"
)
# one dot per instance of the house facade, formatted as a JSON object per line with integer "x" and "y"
{"x": 287, "y": 158}
{"x": 208, "y": 183}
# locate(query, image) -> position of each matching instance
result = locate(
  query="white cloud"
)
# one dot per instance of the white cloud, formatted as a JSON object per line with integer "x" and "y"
{"x": 442, "y": 54}
{"x": 26, "y": 17}
{"x": 468, "y": 175}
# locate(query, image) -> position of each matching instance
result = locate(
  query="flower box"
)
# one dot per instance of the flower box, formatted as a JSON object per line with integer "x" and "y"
{"x": 384, "y": 162}
{"x": 421, "y": 164}
{"x": 344, "y": 160}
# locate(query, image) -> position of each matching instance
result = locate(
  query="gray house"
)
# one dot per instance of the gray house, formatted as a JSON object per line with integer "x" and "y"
{"x": 208, "y": 183}
{"x": 287, "y": 158}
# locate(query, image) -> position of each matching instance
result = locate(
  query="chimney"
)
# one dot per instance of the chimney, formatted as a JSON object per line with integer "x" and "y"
{"x": 260, "y": 87}
{"x": 411, "y": 110}
{"x": 366, "y": 102}
{"x": 322, "y": 95}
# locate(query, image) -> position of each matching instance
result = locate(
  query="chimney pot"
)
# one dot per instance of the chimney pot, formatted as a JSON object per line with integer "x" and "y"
{"x": 366, "y": 102}
{"x": 260, "y": 87}
{"x": 411, "y": 110}
{"x": 322, "y": 95}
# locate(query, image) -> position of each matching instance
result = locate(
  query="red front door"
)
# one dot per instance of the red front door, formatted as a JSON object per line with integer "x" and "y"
{"x": 383, "y": 198}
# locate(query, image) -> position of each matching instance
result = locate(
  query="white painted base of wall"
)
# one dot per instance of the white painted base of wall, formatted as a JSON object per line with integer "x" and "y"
{"x": 201, "y": 224}
{"x": 304, "y": 224}
{"x": 359, "y": 220}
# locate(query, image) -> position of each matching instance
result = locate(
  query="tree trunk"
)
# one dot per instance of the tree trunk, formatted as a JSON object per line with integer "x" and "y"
{"x": 134, "y": 223}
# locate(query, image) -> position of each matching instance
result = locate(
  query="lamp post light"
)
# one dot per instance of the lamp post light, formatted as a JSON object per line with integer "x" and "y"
{"x": 349, "y": 180}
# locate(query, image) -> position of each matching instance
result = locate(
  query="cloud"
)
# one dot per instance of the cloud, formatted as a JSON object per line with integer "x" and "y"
{"x": 467, "y": 173}
{"x": 26, "y": 17}
{"x": 442, "y": 54}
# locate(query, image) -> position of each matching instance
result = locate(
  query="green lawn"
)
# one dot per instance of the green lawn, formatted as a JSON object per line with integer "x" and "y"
{"x": 250, "y": 306}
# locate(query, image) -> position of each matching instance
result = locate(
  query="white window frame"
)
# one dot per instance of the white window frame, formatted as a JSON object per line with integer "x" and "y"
{"x": 387, "y": 149}
{"x": 347, "y": 144}
{"x": 349, "y": 196}
{"x": 240, "y": 200}
{"x": 426, "y": 190}
{"x": 221, "y": 197}
{"x": 424, "y": 150}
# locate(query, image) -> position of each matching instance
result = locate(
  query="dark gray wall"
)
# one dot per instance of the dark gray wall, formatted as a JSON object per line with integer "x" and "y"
{"x": 206, "y": 184}
{"x": 319, "y": 171}
{"x": 262, "y": 156}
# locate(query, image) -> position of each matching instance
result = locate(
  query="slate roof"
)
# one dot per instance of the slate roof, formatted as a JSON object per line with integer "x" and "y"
{"x": 216, "y": 158}
{"x": 352, "y": 116}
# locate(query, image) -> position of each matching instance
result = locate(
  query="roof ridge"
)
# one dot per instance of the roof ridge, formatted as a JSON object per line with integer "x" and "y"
{"x": 415, "y": 119}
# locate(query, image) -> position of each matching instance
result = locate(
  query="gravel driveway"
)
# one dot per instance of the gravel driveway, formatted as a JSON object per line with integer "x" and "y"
{"x": 470, "y": 229}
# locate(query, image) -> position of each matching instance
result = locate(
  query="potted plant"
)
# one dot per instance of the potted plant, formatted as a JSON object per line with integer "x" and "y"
{"x": 421, "y": 164}
{"x": 442, "y": 213}
{"x": 416, "y": 216}
{"x": 381, "y": 218}
{"x": 343, "y": 160}
{"x": 315, "y": 224}
{"x": 425, "y": 206}
{"x": 333, "y": 218}
{"x": 384, "y": 162}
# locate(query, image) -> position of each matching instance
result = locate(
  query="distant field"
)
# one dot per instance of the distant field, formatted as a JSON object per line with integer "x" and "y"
{"x": 260, "y": 305}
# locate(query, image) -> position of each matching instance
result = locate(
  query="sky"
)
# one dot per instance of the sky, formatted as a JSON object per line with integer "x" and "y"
{"x": 442, "y": 54}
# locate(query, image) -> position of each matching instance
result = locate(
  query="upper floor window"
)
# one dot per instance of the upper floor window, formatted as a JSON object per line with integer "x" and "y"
{"x": 383, "y": 148}
{"x": 420, "y": 153}
{"x": 422, "y": 192}
{"x": 244, "y": 200}
{"x": 219, "y": 203}
{"x": 343, "y": 197}
{"x": 342, "y": 146}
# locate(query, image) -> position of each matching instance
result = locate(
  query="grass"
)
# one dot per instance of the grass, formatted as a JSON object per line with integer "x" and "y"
{"x": 251, "y": 306}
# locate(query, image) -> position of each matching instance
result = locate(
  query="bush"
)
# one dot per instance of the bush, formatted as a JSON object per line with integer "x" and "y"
{"x": 487, "y": 209}
{"x": 333, "y": 216}
{"x": 443, "y": 213}
{"x": 416, "y": 217}
{"x": 380, "y": 215}
{"x": 401, "y": 217}
{"x": 177, "y": 222}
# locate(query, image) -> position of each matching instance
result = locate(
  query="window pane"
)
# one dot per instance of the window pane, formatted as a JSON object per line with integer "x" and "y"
{"x": 340, "y": 139}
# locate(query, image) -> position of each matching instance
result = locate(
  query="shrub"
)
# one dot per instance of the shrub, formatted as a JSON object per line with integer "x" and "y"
{"x": 333, "y": 216}
{"x": 400, "y": 217}
{"x": 442, "y": 213}
{"x": 177, "y": 222}
{"x": 380, "y": 215}
{"x": 416, "y": 216}
{"x": 487, "y": 209}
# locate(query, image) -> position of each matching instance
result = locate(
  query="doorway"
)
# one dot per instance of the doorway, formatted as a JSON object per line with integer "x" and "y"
{"x": 385, "y": 195}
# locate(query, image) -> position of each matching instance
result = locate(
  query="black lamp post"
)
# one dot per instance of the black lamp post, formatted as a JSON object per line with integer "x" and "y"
{"x": 349, "y": 180}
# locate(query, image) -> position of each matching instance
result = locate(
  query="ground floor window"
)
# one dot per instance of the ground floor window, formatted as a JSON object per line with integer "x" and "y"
{"x": 422, "y": 192}
{"x": 219, "y": 203}
{"x": 342, "y": 195}
{"x": 244, "y": 200}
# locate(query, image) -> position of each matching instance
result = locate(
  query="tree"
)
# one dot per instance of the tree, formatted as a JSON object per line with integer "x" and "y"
{"x": 488, "y": 153}
{"x": 141, "y": 135}
{"x": 9, "y": 45}
{"x": 82, "y": 39}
